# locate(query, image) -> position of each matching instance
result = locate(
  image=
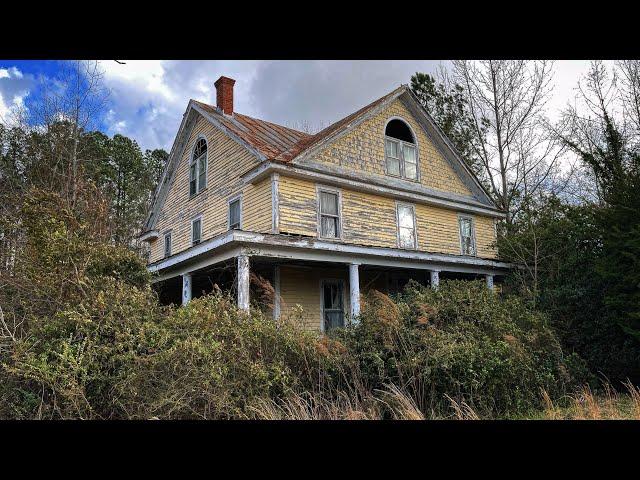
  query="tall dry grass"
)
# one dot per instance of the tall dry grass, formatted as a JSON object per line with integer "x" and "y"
{"x": 584, "y": 404}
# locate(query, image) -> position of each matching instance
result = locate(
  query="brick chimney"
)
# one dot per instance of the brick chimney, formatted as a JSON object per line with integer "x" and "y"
{"x": 224, "y": 94}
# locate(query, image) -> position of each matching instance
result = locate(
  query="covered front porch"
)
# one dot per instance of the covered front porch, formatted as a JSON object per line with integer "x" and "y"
{"x": 318, "y": 281}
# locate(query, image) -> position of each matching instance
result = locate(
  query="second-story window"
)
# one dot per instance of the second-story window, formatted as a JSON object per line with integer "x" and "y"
{"x": 406, "y": 226}
{"x": 196, "y": 231}
{"x": 198, "y": 168}
{"x": 400, "y": 150}
{"x": 329, "y": 213}
{"x": 467, "y": 237}
{"x": 167, "y": 244}
{"x": 235, "y": 214}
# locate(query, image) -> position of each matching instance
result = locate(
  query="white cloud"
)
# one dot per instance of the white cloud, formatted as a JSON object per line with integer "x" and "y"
{"x": 149, "y": 96}
{"x": 14, "y": 87}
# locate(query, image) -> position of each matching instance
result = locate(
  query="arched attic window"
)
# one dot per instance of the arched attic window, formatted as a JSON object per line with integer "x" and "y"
{"x": 198, "y": 168}
{"x": 400, "y": 150}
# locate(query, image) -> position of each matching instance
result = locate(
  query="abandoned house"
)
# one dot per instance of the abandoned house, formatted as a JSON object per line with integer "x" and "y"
{"x": 373, "y": 200}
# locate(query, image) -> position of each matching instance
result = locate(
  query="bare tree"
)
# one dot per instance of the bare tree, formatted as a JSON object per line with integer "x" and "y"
{"x": 77, "y": 96}
{"x": 506, "y": 99}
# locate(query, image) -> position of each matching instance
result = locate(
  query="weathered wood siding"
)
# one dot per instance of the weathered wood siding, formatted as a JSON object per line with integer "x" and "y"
{"x": 300, "y": 292}
{"x": 362, "y": 149}
{"x": 226, "y": 162}
{"x": 371, "y": 220}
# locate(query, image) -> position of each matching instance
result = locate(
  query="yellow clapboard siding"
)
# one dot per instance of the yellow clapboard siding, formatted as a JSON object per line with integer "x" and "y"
{"x": 362, "y": 150}
{"x": 371, "y": 220}
{"x": 226, "y": 162}
{"x": 300, "y": 287}
{"x": 256, "y": 207}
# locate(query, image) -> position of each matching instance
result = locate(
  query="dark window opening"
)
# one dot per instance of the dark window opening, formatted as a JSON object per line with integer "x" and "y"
{"x": 400, "y": 130}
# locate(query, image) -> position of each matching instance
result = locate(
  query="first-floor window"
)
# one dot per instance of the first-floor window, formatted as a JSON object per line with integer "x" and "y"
{"x": 167, "y": 244}
{"x": 329, "y": 214}
{"x": 406, "y": 226}
{"x": 196, "y": 231}
{"x": 467, "y": 243}
{"x": 332, "y": 304}
{"x": 234, "y": 214}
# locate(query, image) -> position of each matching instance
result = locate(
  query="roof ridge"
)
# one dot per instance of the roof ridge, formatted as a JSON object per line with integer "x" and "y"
{"x": 306, "y": 143}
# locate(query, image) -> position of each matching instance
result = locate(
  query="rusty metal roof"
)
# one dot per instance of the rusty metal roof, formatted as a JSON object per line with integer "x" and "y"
{"x": 268, "y": 138}
{"x": 280, "y": 143}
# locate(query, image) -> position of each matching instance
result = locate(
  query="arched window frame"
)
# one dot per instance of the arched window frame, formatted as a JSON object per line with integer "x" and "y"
{"x": 198, "y": 174}
{"x": 401, "y": 147}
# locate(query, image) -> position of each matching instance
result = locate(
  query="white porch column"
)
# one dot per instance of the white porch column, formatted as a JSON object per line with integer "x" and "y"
{"x": 276, "y": 288}
{"x": 489, "y": 279}
{"x": 243, "y": 282}
{"x": 186, "y": 288}
{"x": 435, "y": 279}
{"x": 354, "y": 289}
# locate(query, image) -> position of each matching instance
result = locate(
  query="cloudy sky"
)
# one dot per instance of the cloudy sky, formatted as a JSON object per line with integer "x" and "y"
{"x": 147, "y": 98}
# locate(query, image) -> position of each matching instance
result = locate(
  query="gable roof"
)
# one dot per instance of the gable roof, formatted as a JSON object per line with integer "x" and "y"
{"x": 273, "y": 142}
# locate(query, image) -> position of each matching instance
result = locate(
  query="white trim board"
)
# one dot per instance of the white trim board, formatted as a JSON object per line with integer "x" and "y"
{"x": 234, "y": 242}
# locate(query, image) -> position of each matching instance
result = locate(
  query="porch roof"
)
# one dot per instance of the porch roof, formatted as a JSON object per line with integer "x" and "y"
{"x": 238, "y": 242}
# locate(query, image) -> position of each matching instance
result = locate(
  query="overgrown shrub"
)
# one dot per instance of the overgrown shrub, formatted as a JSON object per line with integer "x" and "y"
{"x": 462, "y": 341}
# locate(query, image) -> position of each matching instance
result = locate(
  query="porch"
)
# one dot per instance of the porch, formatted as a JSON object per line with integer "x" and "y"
{"x": 319, "y": 281}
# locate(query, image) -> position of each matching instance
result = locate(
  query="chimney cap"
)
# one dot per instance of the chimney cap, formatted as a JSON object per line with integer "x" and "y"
{"x": 224, "y": 79}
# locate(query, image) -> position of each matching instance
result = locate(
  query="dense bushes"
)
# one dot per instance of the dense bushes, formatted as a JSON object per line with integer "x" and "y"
{"x": 492, "y": 353}
{"x": 117, "y": 354}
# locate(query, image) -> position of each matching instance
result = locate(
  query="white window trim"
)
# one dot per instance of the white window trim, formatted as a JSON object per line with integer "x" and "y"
{"x": 193, "y": 220}
{"x": 345, "y": 307}
{"x": 415, "y": 225}
{"x": 193, "y": 160}
{"x": 335, "y": 191}
{"x": 401, "y": 158}
{"x": 473, "y": 234}
{"x": 229, "y": 202}
{"x": 164, "y": 244}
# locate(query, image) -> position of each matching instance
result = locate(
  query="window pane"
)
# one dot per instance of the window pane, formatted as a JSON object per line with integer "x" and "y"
{"x": 333, "y": 319}
{"x": 202, "y": 173}
{"x": 196, "y": 231}
{"x": 328, "y": 226}
{"x": 407, "y": 238}
{"x": 167, "y": 245}
{"x": 405, "y": 216}
{"x": 333, "y": 312}
{"x": 466, "y": 236}
{"x": 393, "y": 166}
{"x": 192, "y": 180}
{"x": 391, "y": 148}
{"x": 329, "y": 203}
{"x": 234, "y": 214}
{"x": 409, "y": 154}
{"x": 410, "y": 171}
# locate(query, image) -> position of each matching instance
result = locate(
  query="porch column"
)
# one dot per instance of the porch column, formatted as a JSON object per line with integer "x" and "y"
{"x": 186, "y": 288}
{"x": 489, "y": 279}
{"x": 276, "y": 296}
{"x": 243, "y": 282}
{"x": 435, "y": 279}
{"x": 354, "y": 289}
